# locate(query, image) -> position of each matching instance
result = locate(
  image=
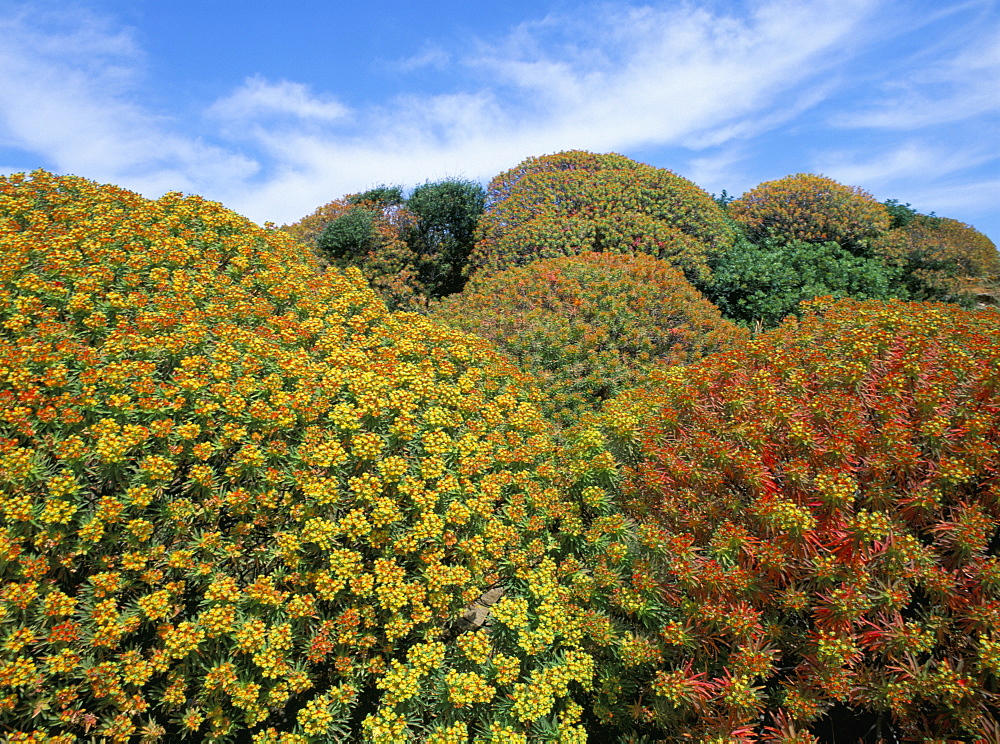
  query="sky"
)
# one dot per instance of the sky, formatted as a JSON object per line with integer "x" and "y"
{"x": 275, "y": 108}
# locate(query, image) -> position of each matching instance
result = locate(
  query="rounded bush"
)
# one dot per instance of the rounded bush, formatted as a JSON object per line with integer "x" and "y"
{"x": 813, "y": 209}
{"x": 936, "y": 255}
{"x": 827, "y": 504}
{"x": 591, "y": 325}
{"x": 575, "y": 202}
{"x": 761, "y": 283}
{"x": 241, "y": 500}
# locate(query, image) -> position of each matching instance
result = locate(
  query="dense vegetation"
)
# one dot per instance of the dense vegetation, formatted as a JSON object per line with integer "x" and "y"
{"x": 590, "y": 326}
{"x": 245, "y": 495}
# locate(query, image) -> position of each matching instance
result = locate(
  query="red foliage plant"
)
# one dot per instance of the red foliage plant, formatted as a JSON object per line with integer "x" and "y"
{"x": 811, "y": 208}
{"x": 573, "y": 202}
{"x": 589, "y": 326}
{"x": 826, "y": 502}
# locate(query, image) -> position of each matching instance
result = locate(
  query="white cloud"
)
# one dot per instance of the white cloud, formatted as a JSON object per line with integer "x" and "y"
{"x": 430, "y": 55}
{"x": 612, "y": 78}
{"x": 623, "y": 78}
{"x": 258, "y": 98}
{"x": 912, "y": 160}
{"x": 958, "y": 200}
{"x": 72, "y": 104}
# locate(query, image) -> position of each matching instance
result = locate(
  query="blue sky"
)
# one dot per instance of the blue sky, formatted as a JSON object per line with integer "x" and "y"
{"x": 274, "y": 108}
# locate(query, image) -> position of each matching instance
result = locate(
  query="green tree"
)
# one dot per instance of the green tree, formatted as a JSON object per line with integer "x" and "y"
{"x": 764, "y": 282}
{"x": 446, "y": 214}
{"x": 350, "y": 237}
{"x": 383, "y": 196}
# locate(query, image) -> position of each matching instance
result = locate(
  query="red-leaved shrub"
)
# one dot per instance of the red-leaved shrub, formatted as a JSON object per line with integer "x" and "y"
{"x": 825, "y": 502}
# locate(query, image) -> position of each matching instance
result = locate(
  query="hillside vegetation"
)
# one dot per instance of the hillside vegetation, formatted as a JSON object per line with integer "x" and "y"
{"x": 586, "y": 455}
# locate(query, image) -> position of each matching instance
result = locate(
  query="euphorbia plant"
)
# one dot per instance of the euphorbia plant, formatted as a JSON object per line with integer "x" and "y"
{"x": 575, "y": 202}
{"x": 589, "y": 326}
{"x": 242, "y": 499}
{"x": 827, "y": 503}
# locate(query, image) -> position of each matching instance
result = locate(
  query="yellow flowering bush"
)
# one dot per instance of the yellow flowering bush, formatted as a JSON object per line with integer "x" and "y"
{"x": 242, "y": 499}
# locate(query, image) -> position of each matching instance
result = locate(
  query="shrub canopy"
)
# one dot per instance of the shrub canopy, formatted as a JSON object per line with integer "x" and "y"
{"x": 811, "y": 208}
{"x": 763, "y": 282}
{"x": 828, "y": 504}
{"x": 935, "y": 254}
{"x": 241, "y": 498}
{"x": 591, "y": 325}
{"x": 575, "y": 202}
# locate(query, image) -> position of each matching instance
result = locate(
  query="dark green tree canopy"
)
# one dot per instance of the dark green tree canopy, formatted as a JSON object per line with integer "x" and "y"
{"x": 446, "y": 213}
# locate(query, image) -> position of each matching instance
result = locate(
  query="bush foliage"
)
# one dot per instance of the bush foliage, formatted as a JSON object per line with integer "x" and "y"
{"x": 934, "y": 254}
{"x": 589, "y": 326}
{"x": 761, "y": 283}
{"x": 828, "y": 501}
{"x": 811, "y": 208}
{"x": 244, "y": 500}
{"x": 410, "y": 249}
{"x": 240, "y": 498}
{"x": 575, "y": 202}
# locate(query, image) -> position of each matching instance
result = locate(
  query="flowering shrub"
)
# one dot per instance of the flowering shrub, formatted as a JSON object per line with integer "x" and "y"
{"x": 573, "y": 202}
{"x": 935, "y": 254}
{"x": 813, "y": 209}
{"x": 371, "y": 236}
{"x": 589, "y": 326}
{"x": 240, "y": 498}
{"x": 825, "y": 503}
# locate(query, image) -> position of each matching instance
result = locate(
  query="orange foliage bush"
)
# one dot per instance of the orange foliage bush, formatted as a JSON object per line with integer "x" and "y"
{"x": 826, "y": 501}
{"x": 574, "y": 202}
{"x": 386, "y": 261}
{"x": 811, "y": 208}
{"x": 589, "y": 326}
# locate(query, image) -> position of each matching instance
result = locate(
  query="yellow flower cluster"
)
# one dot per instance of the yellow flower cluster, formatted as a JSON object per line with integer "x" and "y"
{"x": 258, "y": 476}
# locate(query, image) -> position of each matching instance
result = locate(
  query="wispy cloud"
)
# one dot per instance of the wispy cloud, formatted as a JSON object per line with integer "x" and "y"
{"x": 705, "y": 81}
{"x": 611, "y": 78}
{"x": 939, "y": 91}
{"x": 429, "y": 56}
{"x": 910, "y": 160}
{"x": 259, "y": 99}
{"x": 76, "y": 77}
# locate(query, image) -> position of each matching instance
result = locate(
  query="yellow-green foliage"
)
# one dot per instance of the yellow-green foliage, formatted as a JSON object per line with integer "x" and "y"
{"x": 591, "y": 325}
{"x": 811, "y": 208}
{"x": 573, "y": 202}
{"x": 939, "y": 252}
{"x": 238, "y": 495}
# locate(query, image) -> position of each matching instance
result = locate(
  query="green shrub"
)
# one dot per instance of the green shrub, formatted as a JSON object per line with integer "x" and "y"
{"x": 443, "y": 233}
{"x": 764, "y": 282}
{"x": 589, "y": 326}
